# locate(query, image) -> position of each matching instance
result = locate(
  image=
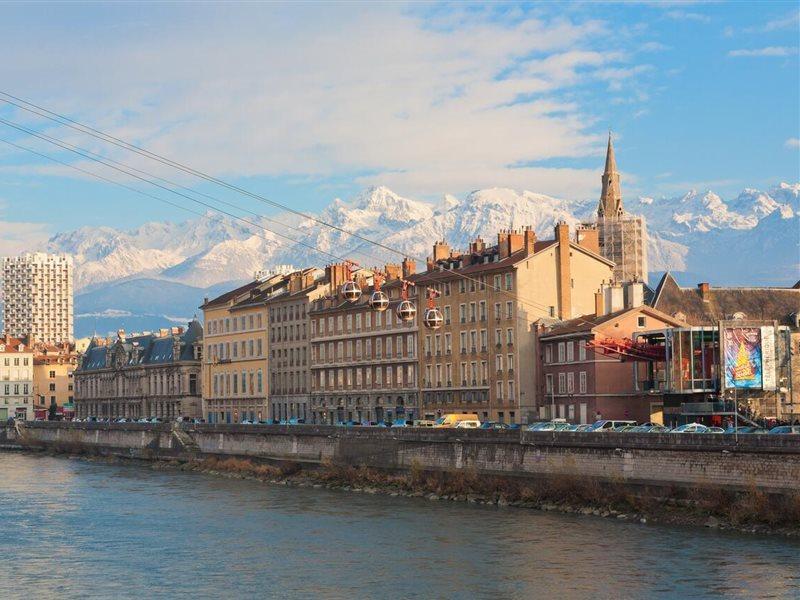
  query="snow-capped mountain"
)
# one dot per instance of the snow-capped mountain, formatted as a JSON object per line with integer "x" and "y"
{"x": 751, "y": 239}
{"x": 212, "y": 249}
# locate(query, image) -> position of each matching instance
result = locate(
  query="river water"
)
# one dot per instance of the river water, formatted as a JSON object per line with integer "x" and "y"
{"x": 76, "y": 529}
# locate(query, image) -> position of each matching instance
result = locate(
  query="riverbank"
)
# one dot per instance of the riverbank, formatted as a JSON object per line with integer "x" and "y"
{"x": 752, "y": 511}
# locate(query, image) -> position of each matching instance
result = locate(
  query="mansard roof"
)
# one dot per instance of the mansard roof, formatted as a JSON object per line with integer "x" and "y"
{"x": 149, "y": 349}
{"x": 707, "y": 305}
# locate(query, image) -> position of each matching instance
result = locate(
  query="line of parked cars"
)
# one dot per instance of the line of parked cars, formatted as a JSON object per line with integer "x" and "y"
{"x": 633, "y": 427}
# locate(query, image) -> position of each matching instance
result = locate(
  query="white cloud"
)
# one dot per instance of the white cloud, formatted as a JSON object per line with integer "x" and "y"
{"x": 654, "y": 47}
{"x": 682, "y": 15}
{"x": 17, "y": 237}
{"x": 768, "y": 51}
{"x": 792, "y": 143}
{"x": 266, "y": 90}
{"x": 790, "y": 21}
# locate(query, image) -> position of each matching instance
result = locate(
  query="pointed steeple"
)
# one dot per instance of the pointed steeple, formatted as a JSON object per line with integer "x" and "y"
{"x": 611, "y": 196}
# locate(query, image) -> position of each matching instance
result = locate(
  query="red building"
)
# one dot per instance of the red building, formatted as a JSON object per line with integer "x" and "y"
{"x": 582, "y": 380}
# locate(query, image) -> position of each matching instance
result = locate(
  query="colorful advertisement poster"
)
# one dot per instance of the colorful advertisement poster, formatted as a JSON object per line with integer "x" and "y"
{"x": 742, "y": 351}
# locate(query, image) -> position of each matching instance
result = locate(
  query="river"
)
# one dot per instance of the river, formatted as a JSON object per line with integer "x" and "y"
{"x": 77, "y": 529}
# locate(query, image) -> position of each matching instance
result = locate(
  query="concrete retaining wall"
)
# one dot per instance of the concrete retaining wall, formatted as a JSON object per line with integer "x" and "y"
{"x": 768, "y": 462}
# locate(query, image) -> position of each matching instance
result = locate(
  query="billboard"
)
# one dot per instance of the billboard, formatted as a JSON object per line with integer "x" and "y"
{"x": 742, "y": 353}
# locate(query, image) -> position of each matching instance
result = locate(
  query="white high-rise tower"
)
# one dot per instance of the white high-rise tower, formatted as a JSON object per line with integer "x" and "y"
{"x": 37, "y": 292}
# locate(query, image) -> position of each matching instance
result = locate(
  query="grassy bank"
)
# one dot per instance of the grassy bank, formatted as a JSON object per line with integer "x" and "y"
{"x": 751, "y": 510}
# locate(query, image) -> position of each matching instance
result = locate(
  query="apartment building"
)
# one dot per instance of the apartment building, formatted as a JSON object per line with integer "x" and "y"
{"x": 37, "y": 290}
{"x": 582, "y": 381}
{"x": 53, "y": 376}
{"x": 142, "y": 375}
{"x": 364, "y": 363}
{"x": 16, "y": 379}
{"x": 289, "y": 348}
{"x": 236, "y": 363}
{"x": 483, "y": 359}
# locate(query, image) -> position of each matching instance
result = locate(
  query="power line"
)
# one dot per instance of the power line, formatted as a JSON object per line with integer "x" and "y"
{"x": 63, "y": 120}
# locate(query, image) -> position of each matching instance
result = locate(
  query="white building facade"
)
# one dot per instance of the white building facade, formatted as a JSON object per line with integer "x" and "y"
{"x": 38, "y": 297}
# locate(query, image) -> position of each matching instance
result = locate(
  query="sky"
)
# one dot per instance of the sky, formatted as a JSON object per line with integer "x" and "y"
{"x": 303, "y": 103}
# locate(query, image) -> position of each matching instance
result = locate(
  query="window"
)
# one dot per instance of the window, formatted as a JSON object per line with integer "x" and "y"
{"x": 462, "y": 313}
{"x": 447, "y": 314}
{"x": 570, "y": 383}
{"x": 548, "y": 353}
{"x": 499, "y": 390}
{"x": 509, "y": 279}
{"x": 548, "y": 383}
{"x": 498, "y": 338}
{"x": 582, "y": 350}
{"x": 509, "y": 310}
{"x": 497, "y": 311}
{"x": 582, "y": 382}
{"x": 510, "y": 337}
{"x": 642, "y": 321}
{"x": 570, "y": 352}
{"x": 561, "y": 352}
{"x": 562, "y": 383}
{"x": 510, "y": 362}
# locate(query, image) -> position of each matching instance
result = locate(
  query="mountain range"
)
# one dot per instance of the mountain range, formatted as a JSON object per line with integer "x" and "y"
{"x": 161, "y": 271}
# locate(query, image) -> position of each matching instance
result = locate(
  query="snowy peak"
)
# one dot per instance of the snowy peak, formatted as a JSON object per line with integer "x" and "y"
{"x": 215, "y": 248}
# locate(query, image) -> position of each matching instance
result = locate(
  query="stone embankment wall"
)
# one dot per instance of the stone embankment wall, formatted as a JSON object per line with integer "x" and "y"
{"x": 770, "y": 463}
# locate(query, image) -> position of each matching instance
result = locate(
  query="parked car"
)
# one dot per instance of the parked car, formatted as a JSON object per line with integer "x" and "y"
{"x": 424, "y": 423}
{"x": 550, "y": 426}
{"x": 785, "y": 430}
{"x": 514, "y": 426}
{"x": 452, "y": 419}
{"x": 715, "y": 430}
{"x": 400, "y": 423}
{"x": 691, "y": 428}
{"x": 608, "y": 425}
{"x": 493, "y": 425}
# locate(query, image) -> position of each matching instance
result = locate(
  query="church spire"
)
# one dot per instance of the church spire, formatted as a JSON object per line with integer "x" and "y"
{"x": 611, "y": 196}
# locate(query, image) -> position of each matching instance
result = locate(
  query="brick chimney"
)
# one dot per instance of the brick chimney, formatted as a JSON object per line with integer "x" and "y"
{"x": 705, "y": 291}
{"x": 589, "y": 238}
{"x": 530, "y": 240}
{"x": 429, "y": 264}
{"x": 441, "y": 250}
{"x": 564, "y": 277}
{"x": 515, "y": 241}
{"x": 393, "y": 272}
{"x": 477, "y": 246}
{"x": 409, "y": 267}
{"x": 599, "y": 305}
{"x": 502, "y": 244}
{"x": 337, "y": 274}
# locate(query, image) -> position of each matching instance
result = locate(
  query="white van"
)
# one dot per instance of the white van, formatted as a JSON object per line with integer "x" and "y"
{"x": 468, "y": 424}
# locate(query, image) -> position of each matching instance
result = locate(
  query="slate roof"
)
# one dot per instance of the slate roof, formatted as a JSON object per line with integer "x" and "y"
{"x": 757, "y": 303}
{"x": 144, "y": 349}
{"x": 586, "y": 323}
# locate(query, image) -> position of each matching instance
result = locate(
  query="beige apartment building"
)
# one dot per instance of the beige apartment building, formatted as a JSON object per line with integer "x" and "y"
{"x": 289, "y": 349}
{"x": 53, "y": 376}
{"x": 483, "y": 359}
{"x": 16, "y": 379}
{"x": 235, "y": 365}
{"x": 363, "y": 362}
{"x": 38, "y": 301}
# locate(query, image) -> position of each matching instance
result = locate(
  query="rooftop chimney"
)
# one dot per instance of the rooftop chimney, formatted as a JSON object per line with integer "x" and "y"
{"x": 589, "y": 238}
{"x": 705, "y": 291}
{"x": 441, "y": 250}
{"x": 393, "y": 272}
{"x": 599, "y": 309}
{"x": 564, "y": 274}
{"x": 515, "y": 241}
{"x": 409, "y": 267}
{"x": 502, "y": 244}
{"x": 530, "y": 240}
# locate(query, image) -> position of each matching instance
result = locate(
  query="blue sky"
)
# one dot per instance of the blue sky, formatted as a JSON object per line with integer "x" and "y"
{"x": 305, "y": 103}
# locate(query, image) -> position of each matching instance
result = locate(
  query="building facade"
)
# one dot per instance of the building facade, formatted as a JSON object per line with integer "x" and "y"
{"x": 712, "y": 311}
{"x": 580, "y": 381}
{"x": 53, "y": 377}
{"x": 153, "y": 375}
{"x": 38, "y": 296}
{"x": 16, "y": 379}
{"x": 236, "y": 363}
{"x": 364, "y": 363}
{"x": 483, "y": 359}
{"x": 289, "y": 344}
